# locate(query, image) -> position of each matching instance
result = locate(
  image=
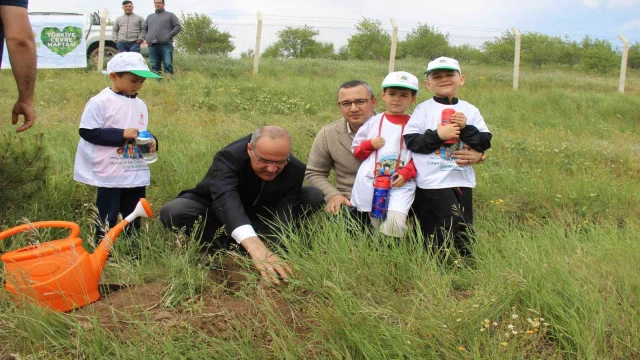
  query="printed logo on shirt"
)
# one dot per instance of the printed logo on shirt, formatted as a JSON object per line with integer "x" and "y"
{"x": 127, "y": 156}
{"x": 386, "y": 165}
{"x": 141, "y": 120}
{"x": 443, "y": 157}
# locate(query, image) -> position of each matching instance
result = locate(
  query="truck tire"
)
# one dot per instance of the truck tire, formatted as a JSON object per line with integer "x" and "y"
{"x": 109, "y": 52}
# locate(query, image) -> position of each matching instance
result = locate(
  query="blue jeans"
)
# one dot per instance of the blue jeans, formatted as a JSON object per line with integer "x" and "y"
{"x": 161, "y": 54}
{"x": 125, "y": 47}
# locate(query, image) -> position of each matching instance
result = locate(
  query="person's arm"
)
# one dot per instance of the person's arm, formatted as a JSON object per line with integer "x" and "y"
{"x": 115, "y": 29}
{"x": 145, "y": 26}
{"x": 223, "y": 184}
{"x": 319, "y": 166}
{"x": 21, "y": 47}
{"x": 362, "y": 151}
{"x": 103, "y": 137}
{"x": 426, "y": 143}
{"x": 268, "y": 264}
{"x": 175, "y": 26}
{"x": 479, "y": 141}
{"x": 408, "y": 172}
{"x": 361, "y": 147}
{"x": 476, "y": 134}
{"x": 140, "y": 39}
{"x": 417, "y": 136}
{"x": 468, "y": 156}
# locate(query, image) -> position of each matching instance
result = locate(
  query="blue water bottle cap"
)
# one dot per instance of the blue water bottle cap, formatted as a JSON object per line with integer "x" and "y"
{"x": 144, "y": 135}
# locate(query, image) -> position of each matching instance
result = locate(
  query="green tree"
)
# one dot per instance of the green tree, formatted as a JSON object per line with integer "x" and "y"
{"x": 425, "y": 42}
{"x": 247, "y": 54}
{"x": 570, "y": 53}
{"x": 467, "y": 53}
{"x": 299, "y": 42}
{"x": 540, "y": 49}
{"x": 500, "y": 50}
{"x": 200, "y": 35}
{"x": 370, "y": 42}
{"x": 598, "y": 55}
{"x": 633, "y": 61}
{"x": 343, "y": 53}
{"x": 23, "y": 165}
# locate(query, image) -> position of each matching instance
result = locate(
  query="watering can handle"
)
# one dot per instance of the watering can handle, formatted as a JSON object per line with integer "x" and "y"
{"x": 75, "y": 229}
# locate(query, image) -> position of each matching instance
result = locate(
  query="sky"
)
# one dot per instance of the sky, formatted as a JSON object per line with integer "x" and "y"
{"x": 464, "y": 20}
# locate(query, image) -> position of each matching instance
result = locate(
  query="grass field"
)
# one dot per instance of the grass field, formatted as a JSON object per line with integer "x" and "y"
{"x": 557, "y": 209}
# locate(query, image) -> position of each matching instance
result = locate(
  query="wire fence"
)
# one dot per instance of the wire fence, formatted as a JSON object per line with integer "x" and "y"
{"x": 384, "y": 46}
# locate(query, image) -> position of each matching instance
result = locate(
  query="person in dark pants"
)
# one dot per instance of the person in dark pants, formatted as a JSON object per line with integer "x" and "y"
{"x": 127, "y": 29}
{"x": 252, "y": 181}
{"x": 107, "y": 155}
{"x": 159, "y": 30}
{"x": 443, "y": 203}
{"x": 21, "y": 46}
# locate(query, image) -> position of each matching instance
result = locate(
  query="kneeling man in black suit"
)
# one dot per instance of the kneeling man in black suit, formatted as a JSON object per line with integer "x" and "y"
{"x": 251, "y": 180}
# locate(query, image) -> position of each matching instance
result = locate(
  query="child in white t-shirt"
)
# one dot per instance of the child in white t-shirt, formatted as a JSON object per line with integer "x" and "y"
{"x": 443, "y": 203}
{"x": 107, "y": 156}
{"x": 379, "y": 144}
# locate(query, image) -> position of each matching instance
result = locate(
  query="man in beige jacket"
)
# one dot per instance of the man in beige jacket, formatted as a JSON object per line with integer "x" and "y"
{"x": 331, "y": 148}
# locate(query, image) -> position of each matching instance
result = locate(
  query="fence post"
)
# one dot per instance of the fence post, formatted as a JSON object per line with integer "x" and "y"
{"x": 394, "y": 44}
{"x": 256, "y": 55}
{"x": 103, "y": 28}
{"x": 516, "y": 58}
{"x": 623, "y": 66}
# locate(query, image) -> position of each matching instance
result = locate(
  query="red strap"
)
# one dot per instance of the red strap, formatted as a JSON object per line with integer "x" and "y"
{"x": 406, "y": 118}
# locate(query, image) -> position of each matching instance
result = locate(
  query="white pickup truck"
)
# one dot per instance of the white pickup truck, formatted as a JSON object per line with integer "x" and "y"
{"x": 92, "y": 35}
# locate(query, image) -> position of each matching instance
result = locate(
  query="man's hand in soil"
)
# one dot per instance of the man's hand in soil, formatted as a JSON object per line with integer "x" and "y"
{"x": 270, "y": 266}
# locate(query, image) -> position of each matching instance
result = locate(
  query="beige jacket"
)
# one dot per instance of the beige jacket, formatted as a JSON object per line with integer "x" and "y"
{"x": 331, "y": 149}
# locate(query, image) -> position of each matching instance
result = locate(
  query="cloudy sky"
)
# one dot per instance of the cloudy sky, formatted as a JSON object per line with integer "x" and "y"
{"x": 482, "y": 18}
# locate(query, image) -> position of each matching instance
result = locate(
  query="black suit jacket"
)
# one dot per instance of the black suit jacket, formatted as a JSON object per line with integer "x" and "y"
{"x": 236, "y": 193}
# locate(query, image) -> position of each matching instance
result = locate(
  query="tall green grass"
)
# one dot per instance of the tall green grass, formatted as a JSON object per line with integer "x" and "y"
{"x": 556, "y": 215}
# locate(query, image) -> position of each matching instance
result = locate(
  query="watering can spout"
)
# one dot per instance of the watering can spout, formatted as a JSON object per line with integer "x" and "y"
{"x": 99, "y": 257}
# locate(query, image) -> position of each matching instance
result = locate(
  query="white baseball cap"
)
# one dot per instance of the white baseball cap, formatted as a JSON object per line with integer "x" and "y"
{"x": 443, "y": 63}
{"x": 401, "y": 79}
{"x": 131, "y": 62}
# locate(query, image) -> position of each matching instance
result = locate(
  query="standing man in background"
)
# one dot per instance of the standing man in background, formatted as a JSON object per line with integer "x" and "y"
{"x": 21, "y": 45}
{"x": 127, "y": 30}
{"x": 159, "y": 30}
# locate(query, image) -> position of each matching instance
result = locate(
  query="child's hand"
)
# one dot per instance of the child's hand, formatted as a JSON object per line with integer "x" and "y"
{"x": 377, "y": 142}
{"x": 153, "y": 146}
{"x": 449, "y": 131}
{"x": 130, "y": 133}
{"x": 398, "y": 180}
{"x": 460, "y": 119}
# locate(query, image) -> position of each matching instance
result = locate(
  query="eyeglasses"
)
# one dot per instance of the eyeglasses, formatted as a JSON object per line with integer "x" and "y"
{"x": 269, "y": 162}
{"x": 347, "y": 104}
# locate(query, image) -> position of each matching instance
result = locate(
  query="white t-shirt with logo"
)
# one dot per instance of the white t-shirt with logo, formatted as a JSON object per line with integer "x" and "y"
{"x": 110, "y": 166}
{"x": 439, "y": 170}
{"x": 400, "y": 199}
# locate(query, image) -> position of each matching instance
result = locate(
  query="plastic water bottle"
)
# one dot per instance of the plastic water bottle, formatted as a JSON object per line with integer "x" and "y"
{"x": 381, "y": 189}
{"x": 446, "y": 120}
{"x": 144, "y": 141}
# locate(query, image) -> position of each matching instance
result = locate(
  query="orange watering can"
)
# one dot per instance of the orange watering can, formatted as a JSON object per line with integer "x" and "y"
{"x": 60, "y": 274}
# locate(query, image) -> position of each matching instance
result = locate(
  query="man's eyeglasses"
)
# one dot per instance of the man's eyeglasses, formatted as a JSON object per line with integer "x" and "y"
{"x": 269, "y": 162}
{"x": 347, "y": 104}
